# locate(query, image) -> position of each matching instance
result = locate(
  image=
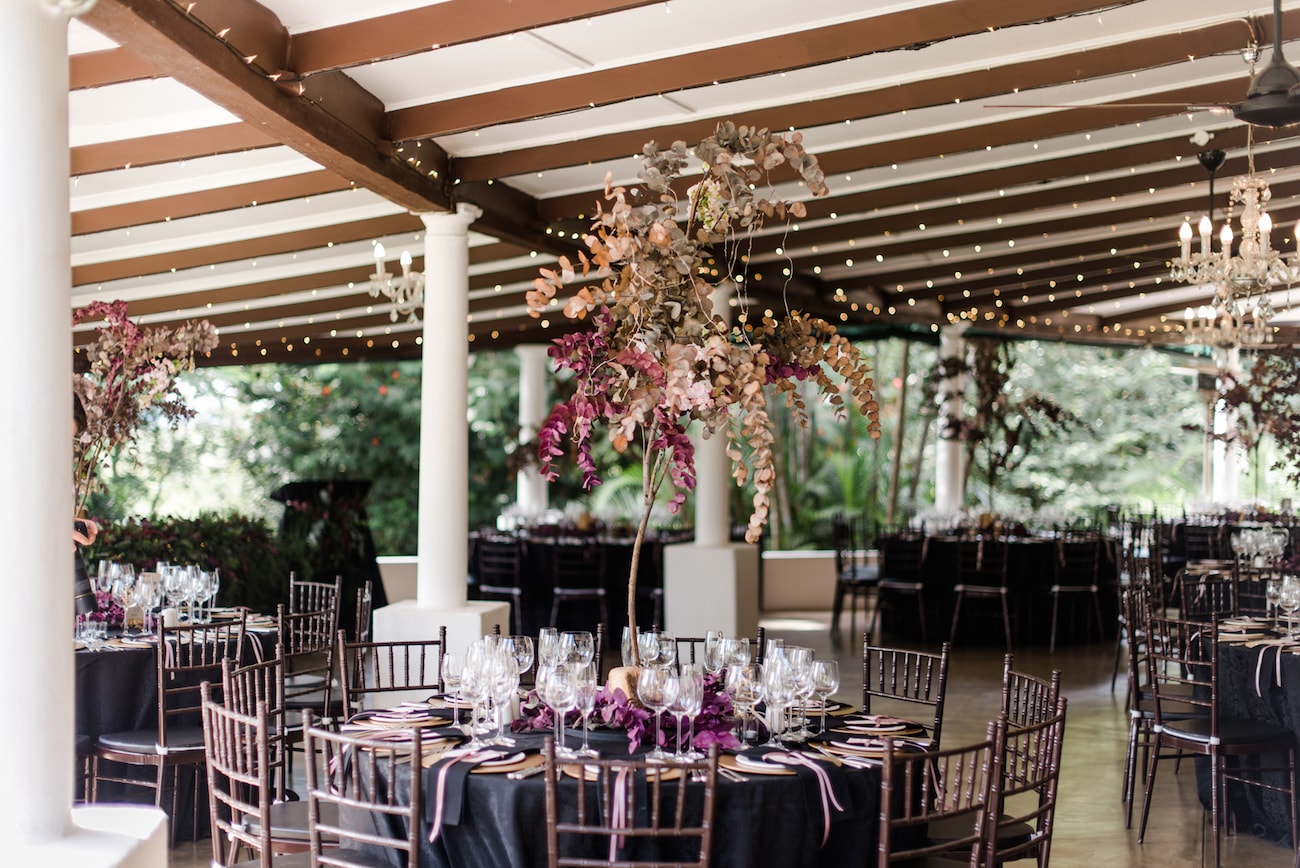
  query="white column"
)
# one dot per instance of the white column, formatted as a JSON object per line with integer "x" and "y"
{"x": 712, "y": 584}
{"x": 949, "y": 480}
{"x": 441, "y": 576}
{"x": 530, "y": 485}
{"x": 1227, "y": 456}
{"x": 713, "y": 481}
{"x": 36, "y": 620}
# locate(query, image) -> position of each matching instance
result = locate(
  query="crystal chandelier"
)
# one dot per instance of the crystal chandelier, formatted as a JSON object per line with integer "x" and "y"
{"x": 1241, "y": 308}
{"x": 405, "y": 292}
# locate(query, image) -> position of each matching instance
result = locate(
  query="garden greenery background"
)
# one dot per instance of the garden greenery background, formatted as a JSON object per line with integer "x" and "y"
{"x": 1135, "y": 441}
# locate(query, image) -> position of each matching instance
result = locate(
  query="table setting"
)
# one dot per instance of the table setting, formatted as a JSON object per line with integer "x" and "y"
{"x": 787, "y": 749}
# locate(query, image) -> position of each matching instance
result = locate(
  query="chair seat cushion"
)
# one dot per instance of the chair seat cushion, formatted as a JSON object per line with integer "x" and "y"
{"x": 901, "y": 585}
{"x": 289, "y": 821}
{"x": 1232, "y": 730}
{"x": 981, "y": 590}
{"x": 179, "y": 738}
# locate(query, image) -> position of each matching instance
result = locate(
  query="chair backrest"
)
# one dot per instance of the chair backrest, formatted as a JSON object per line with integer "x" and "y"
{"x": 1202, "y": 541}
{"x": 902, "y": 557}
{"x": 846, "y": 539}
{"x": 690, "y": 649}
{"x": 603, "y": 823}
{"x": 1183, "y": 667}
{"x": 307, "y": 640}
{"x": 1209, "y": 593}
{"x": 365, "y": 601}
{"x": 258, "y": 690}
{"x": 578, "y": 565}
{"x": 1029, "y": 765}
{"x": 1028, "y": 699}
{"x": 982, "y": 561}
{"x": 237, "y": 748}
{"x": 919, "y": 788}
{"x": 314, "y": 596}
{"x": 187, "y": 656}
{"x": 366, "y": 778}
{"x": 378, "y": 668}
{"x": 498, "y": 561}
{"x": 915, "y": 677}
{"x": 1078, "y": 560}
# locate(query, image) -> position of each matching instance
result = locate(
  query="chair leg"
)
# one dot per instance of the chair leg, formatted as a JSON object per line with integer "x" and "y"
{"x": 1295, "y": 819}
{"x": 1006, "y": 619}
{"x": 1153, "y": 757}
{"x": 837, "y": 607}
{"x": 518, "y": 603}
{"x": 1120, "y": 633}
{"x": 1216, "y": 787}
{"x": 604, "y": 611}
{"x": 1130, "y": 772}
{"x": 956, "y": 614}
{"x": 1096, "y": 610}
{"x": 920, "y": 614}
{"x": 555, "y": 611}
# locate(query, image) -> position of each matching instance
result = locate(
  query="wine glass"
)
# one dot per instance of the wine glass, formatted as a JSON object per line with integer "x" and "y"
{"x": 452, "y": 666}
{"x": 687, "y": 705}
{"x": 578, "y": 646}
{"x": 648, "y": 645}
{"x": 174, "y": 580}
{"x": 778, "y": 691}
{"x": 555, "y": 687}
{"x": 667, "y": 648}
{"x": 504, "y": 681}
{"x": 548, "y": 647}
{"x": 1289, "y": 600}
{"x": 522, "y": 649}
{"x": 1272, "y": 592}
{"x": 735, "y": 651}
{"x": 745, "y": 687}
{"x": 714, "y": 660}
{"x": 102, "y": 582}
{"x": 584, "y": 698}
{"x": 800, "y": 660}
{"x": 475, "y": 686}
{"x": 826, "y": 680}
{"x": 124, "y": 588}
{"x": 656, "y": 687}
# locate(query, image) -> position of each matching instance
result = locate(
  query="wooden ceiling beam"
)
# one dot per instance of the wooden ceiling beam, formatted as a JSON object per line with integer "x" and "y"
{"x": 206, "y": 202}
{"x": 454, "y": 22}
{"x": 289, "y": 242}
{"x": 184, "y": 49}
{"x": 110, "y": 66}
{"x": 880, "y": 102}
{"x": 168, "y": 148}
{"x": 889, "y": 32}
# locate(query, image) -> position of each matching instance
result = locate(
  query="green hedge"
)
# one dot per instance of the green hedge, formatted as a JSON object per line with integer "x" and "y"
{"x": 254, "y": 565}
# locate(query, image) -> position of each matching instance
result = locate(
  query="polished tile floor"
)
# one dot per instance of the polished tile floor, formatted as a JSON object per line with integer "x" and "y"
{"x": 1090, "y": 819}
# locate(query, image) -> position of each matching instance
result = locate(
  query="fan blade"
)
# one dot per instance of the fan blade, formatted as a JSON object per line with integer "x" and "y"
{"x": 1227, "y": 107}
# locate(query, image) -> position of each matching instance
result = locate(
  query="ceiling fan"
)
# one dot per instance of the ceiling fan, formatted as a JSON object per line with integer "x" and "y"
{"x": 1273, "y": 99}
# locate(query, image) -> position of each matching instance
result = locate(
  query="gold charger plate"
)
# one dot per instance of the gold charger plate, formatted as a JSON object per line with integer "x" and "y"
{"x": 500, "y": 768}
{"x": 588, "y": 772}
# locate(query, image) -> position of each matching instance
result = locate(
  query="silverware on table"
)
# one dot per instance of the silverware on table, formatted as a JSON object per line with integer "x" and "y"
{"x": 526, "y": 773}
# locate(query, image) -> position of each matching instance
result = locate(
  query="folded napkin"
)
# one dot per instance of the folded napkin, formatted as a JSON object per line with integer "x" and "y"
{"x": 824, "y": 786}
{"x": 450, "y": 774}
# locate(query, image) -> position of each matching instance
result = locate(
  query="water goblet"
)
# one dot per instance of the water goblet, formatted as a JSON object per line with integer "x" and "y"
{"x": 656, "y": 687}
{"x": 475, "y": 687}
{"x": 1289, "y": 601}
{"x": 826, "y": 680}
{"x": 578, "y": 646}
{"x": 778, "y": 690}
{"x": 714, "y": 660}
{"x": 555, "y": 687}
{"x": 504, "y": 681}
{"x": 800, "y": 660}
{"x": 584, "y": 699}
{"x": 1272, "y": 592}
{"x": 745, "y": 688}
{"x": 452, "y": 666}
{"x": 667, "y": 648}
{"x": 735, "y": 651}
{"x": 548, "y": 647}
{"x": 687, "y": 705}
{"x": 522, "y": 649}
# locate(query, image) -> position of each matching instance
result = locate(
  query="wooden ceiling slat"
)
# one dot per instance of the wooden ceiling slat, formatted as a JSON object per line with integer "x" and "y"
{"x": 110, "y": 66}
{"x": 863, "y": 105}
{"x": 892, "y": 31}
{"x": 206, "y": 202}
{"x": 271, "y": 245}
{"x": 454, "y": 22}
{"x": 168, "y": 148}
{"x": 184, "y": 50}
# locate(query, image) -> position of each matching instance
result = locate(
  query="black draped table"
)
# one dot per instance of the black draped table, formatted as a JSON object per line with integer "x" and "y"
{"x": 117, "y": 691}
{"x": 1249, "y": 688}
{"x": 762, "y": 821}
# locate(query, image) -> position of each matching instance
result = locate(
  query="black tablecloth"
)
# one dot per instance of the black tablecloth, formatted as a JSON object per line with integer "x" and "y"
{"x": 1258, "y": 812}
{"x": 765, "y": 821}
{"x": 117, "y": 691}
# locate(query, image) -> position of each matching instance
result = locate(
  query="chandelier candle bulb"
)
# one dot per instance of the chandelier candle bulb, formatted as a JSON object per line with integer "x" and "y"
{"x": 1225, "y": 240}
{"x": 1205, "y": 228}
{"x": 1265, "y": 229}
{"x": 1185, "y": 237}
{"x": 406, "y": 264}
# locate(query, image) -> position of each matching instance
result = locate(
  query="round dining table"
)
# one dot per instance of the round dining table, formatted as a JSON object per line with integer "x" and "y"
{"x": 489, "y": 820}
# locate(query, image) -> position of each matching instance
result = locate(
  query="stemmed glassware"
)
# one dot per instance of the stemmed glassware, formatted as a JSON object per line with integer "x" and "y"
{"x": 1272, "y": 593}
{"x": 826, "y": 680}
{"x": 584, "y": 698}
{"x": 687, "y": 705}
{"x": 475, "y": 687}
{"x": 745, "y": 687}
{"x": 555, "y": 687}
{"x": 800, "y": 660}
{"x": 577, "y": 646}
{"x": 778, "y": 691}
{"x": 504, "y": 681}
{"x": 124, "y": 592}
{"x": 521, "y": 647}
{"x": 1289, "y": 601}
{"x": 452, "y": 666}
{"x": 715, "y": 652}
{"x": 656, "y": 687}
{"x": 548, "y": 648}
{"x": 735, "y": 651}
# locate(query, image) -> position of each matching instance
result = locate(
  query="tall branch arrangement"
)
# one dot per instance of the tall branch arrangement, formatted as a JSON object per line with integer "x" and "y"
{"x": 1266, "y": 400}
{"x": 657, "y": 356}
{"x": 126, "y": 373}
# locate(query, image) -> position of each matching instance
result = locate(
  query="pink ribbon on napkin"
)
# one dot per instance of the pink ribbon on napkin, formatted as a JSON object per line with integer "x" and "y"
{"x": 618, "y": 816}
{"x": 471, "y": 756}
{"x": 823, "y": 786}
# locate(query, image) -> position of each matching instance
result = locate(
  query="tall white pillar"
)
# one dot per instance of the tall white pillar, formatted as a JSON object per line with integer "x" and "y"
{"x": 713, "y": 482}
{"x": 530, "y": 486}
{"x": 37, "y": 822}
{"x": 713, "y": 583}
{"x": 949, "y": 478}
{"x": 1227, "y": 456}
{"x": 441, "y": 575}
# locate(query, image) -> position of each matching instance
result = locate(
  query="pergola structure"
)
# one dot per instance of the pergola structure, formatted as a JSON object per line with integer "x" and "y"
{"x": 237, "y": 160}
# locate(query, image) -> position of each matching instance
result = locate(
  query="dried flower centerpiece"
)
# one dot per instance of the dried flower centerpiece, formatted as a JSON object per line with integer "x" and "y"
{"x": 657, "y": 356}
{"x": 124, "y": 374}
